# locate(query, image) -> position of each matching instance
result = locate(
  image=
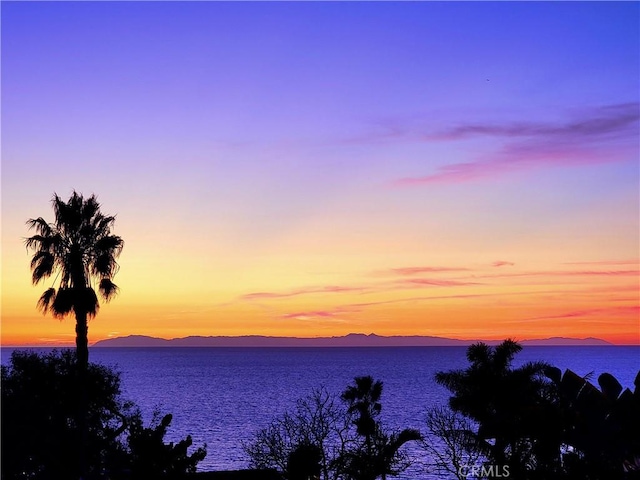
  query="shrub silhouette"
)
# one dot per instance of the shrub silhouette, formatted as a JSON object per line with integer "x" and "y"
{"x": 39, "y": 399}
{"x": 348, "y": 435}
{"x": 542, "y": 424}
{"x": 305, "y": 462}
{"x": 602, "y": 427}
{"x": 40, "y": 396}
{"x": 150, "y": 457}
{"x": 319, "y": 420}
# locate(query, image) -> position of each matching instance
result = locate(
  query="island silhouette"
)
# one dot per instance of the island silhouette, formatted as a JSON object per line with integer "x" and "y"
{"x": 350, "y": 340}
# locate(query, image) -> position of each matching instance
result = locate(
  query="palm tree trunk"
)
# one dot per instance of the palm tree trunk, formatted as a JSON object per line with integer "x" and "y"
{"x": 82, "y": 358}
{"x": 82, "y": 340}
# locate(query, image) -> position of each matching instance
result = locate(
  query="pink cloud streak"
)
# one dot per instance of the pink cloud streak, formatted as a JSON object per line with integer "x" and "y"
{"x": 606, "y": 262}
{"x": 301, "y": 291}
{"x": 567, "y": 273}
{"x": 418, "y": 270}
{"x": 627, "y": 310}
{"x": 435, "y": 283}
{"x": 598, "y": 135}
{"x": 502, "y": 263}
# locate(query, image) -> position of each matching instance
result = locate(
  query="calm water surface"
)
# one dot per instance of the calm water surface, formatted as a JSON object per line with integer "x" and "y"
{"x": 222, "y": 396}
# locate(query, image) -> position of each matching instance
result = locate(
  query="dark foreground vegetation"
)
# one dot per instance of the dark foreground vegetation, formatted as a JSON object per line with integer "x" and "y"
{"x": 531, "y": 422}
{"x": 41, "y": 434}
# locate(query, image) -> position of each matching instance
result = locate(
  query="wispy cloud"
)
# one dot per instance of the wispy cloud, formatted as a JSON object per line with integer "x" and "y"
{"x": 597, "y": 135}
{"x": 301, "y": 291}
{"x": 419, "y": 270}
{"x": 317, "y": 315}
{"x": 565, "y": 273}
{"x": 606, "y": 262}
{"x": 502, "y": 263}
{"x": 610, "y": 121}
{"x": 431, "y": 282}
{"x": 613, "y": 311}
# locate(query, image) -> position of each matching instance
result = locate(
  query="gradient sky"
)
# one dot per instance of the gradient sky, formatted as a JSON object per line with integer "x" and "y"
{"x": 467, "y": 170}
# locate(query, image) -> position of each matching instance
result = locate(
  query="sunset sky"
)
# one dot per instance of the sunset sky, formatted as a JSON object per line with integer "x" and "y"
{"x": 467, "y": 170}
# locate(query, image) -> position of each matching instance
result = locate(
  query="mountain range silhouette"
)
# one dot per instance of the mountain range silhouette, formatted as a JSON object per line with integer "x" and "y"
{"x": 350, "y": 340}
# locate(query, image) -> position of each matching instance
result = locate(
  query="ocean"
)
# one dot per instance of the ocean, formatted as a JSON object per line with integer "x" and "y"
{"x": 222, "y": 396}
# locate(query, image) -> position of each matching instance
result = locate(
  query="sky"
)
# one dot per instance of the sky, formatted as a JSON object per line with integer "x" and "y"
{"x": 466, "y": 170}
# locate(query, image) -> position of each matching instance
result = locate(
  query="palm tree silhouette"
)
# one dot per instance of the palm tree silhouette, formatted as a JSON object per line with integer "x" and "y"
{"x": 508, "y": 403}
{"x": 79, "y": 247}
{"x": 379, "y": 456}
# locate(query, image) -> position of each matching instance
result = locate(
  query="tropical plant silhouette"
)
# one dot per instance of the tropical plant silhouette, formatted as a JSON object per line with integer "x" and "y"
{"x": 80, "y": 249}
{"x": 600, "y": 427}
{"x": 512, "y": 406}
{"x": 331, "y": 440}
{"x": 378, "y": 455}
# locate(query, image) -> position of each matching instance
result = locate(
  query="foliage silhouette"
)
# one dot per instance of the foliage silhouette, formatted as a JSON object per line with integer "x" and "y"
{"x": 542, "y": 424}
{"x": 451, "y": 442}
{"x": 377, "y": 454}
{"x": 150, "y": 457}
{"x": 319, "y": 420}
{"x": 79, "y": 247}
{"x": 600, "y": 428}
{"x": 511, "y": 406}
{"x": 304, "y": 462}
{"x": 338, "y": 440}
{"x": 40, "y": 396}
{"x": 39, "y": 428}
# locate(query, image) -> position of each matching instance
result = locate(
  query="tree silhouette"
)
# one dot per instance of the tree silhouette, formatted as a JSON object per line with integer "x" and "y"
{"x": 318, "y": 421}
{"x": 38, "y": 403}
{"x": 379, "y": 453}
{"x": 512, "y": 406}
{"x": 40, "y": 396}
{"x": 80, "y": 249}
{"x": 331, "y": 440}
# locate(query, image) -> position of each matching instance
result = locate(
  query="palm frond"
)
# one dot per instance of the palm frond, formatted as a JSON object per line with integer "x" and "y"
{"x": 39, "y": 242}
{"x": 42, "y": 265}
{"x": 40, "y": 225}
{"x": 90, "y": 207}
{"x": 478, "y": 353}
{"x": 63, "y": 302}
{"x": 504, "y": 353}
{"x": 110, "y": 243}
{"x": 451, "y": 380}
{"x": 68, "y": 214}
{"x": 108, "y": 289}
{"x": 406, "y": 435}
{"x": 103, "y": 223}
{"x": 46, "y": 300}
{"x": 104, "y": 265}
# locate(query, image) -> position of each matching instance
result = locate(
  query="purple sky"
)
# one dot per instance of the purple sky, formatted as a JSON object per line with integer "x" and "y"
{"x": 292, "y": 146}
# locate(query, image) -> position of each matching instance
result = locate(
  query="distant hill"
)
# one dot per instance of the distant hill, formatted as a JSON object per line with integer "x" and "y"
{"x": 350, "y": 340}
{"x": 565, "y": 341}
